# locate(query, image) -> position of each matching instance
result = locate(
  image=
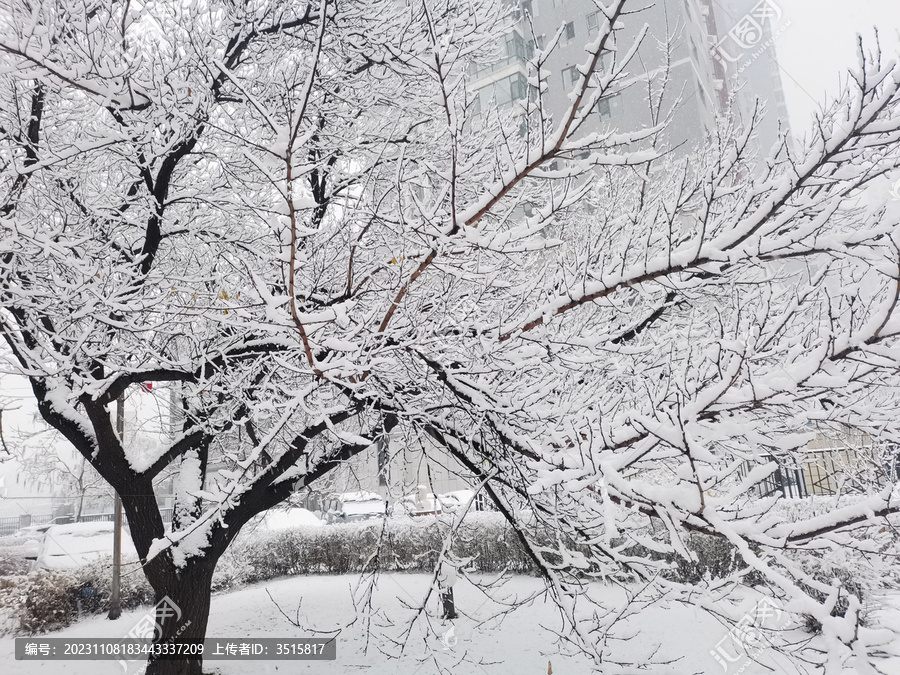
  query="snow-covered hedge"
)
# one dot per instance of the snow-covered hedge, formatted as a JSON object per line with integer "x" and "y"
{"x": 47, "y": 600}
{"x": 37, "y": 603}
{"x": 396, "y": 544}
{"x": 484, "y": 543}
{"x": 716, "y": 559}
{"x": 12, "y": 561}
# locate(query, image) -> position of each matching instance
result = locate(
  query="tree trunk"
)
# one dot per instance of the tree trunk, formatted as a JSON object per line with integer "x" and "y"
{"x": 182, "y": 613}
{"x": 81, "y": 489}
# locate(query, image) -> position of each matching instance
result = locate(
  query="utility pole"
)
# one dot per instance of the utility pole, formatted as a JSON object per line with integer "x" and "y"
{"x": 115, "y": 603}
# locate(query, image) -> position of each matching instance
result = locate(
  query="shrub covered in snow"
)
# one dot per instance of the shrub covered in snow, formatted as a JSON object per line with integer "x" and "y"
{"x": 93, "y": 586}
{"x": 38, "y": 602}
{"x": 715, "y": 559}
{"x": 48, "y": 600}
{"x": 849, "y": 583}
{"x": 13, "y": 561}
{"x": 484, "y": 542}
{"x": 397, "y": 544}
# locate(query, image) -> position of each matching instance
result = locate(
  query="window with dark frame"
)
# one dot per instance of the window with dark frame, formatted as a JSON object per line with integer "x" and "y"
{"x": 609, "y": 106}
{"x": 509, "y": 90}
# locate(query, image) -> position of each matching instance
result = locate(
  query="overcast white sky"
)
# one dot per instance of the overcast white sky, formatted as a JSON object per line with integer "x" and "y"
{"x": 820, "y": 43}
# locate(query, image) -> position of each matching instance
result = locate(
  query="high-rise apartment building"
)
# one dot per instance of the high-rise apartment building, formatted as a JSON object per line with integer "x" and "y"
{"x": 747, "y": 63}
{"x": 709, "y": 54}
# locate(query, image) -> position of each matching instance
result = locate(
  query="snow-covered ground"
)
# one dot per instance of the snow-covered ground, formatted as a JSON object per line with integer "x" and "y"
{"x": 683, "y": 637}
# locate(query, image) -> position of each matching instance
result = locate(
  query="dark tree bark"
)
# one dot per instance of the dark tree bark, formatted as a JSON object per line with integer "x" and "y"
{"x": 182, "y": 614}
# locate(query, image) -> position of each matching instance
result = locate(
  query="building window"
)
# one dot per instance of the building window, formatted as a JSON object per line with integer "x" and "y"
{"x": 500, "y": 94}
{"x": 609, "y": 106}
{"x": 606, "y": 61}
{"x": 604, "y": 67}
{"x": 513, "y": 49}
{"x": 510, "y": 90}
{"x": 571, "y": 76}
{"x": 568, "y": 33}
{"x": 517, "y": 87}
{"x": 593, "y": 20}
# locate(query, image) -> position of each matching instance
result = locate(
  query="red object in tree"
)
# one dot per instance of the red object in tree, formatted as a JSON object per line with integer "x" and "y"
{"x": 146, "y": 386}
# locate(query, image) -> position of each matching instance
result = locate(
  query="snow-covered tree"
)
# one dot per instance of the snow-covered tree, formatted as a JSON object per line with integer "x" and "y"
{"x": 48, "y": 464}
{"x": 7, "y": 404}
{"x": 294, "y": 211}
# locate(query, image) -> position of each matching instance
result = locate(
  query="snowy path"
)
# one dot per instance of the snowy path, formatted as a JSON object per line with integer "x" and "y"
{"x": 517, "y": 645}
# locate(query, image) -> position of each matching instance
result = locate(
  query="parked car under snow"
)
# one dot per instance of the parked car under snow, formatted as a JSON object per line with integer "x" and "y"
{"x": 70, "y": 546}
{"x": 285, "y": 519}
{"x": 349, "y": 507}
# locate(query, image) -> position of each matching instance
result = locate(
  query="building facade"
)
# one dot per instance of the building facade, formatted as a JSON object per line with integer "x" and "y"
{"x": 695, "y": 60}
